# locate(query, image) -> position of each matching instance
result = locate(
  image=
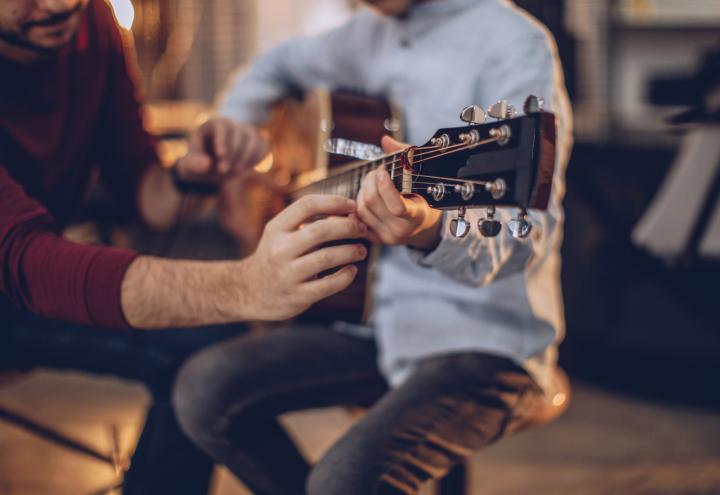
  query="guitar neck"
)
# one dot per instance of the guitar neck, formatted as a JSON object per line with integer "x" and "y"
{"x": 348, "y": 179}
{"x": 508, "y": 163}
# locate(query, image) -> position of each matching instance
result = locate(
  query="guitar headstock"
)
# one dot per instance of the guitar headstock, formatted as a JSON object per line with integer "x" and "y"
{"x": 505, "y": 163}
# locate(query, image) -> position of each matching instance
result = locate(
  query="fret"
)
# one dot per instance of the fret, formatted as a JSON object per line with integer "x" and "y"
{"x": 355, "y": 187}
{"x": 342, "y": 187}
{"x": 349, "y": 182}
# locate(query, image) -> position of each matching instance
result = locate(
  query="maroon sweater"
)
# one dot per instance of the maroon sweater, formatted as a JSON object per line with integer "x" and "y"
{"x": 62, "y": 123}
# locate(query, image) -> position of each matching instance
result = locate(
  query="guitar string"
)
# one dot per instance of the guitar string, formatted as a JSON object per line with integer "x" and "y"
{"x": 414, "y": 175}
{"x": 443, "y": 151}
{"x": 349, "y": 168}
{"x": 458, "y": 147}
{"x": 431, "y": 149}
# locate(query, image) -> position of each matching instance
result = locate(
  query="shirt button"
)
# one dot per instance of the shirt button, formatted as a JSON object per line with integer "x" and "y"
{"x": 405, "y": 43}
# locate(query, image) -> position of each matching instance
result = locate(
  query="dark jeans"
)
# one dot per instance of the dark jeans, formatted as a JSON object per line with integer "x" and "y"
{"x": 165, "y": 461}
{"x": 228, "y": 397}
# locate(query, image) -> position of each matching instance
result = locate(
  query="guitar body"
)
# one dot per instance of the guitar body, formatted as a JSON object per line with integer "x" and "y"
{"x": 299, "y": 130}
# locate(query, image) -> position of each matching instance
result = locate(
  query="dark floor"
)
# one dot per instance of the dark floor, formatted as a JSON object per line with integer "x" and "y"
{"x": 606, "y": 443}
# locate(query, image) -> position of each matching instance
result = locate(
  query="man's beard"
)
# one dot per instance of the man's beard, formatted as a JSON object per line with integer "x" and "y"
{"x": 18, "y": 40}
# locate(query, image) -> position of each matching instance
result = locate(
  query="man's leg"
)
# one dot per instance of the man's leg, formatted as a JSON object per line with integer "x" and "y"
{"x": 450, "y": 407}
{"x": 165, "y": 460}
{"x": 228, "y": 396}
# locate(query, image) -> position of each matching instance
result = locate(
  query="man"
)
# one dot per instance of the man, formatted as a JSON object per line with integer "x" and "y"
{"x": 68, "y": 112}
{"x": 464, "y": 330}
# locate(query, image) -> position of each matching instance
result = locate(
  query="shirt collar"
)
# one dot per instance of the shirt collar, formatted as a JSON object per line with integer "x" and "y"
{"x": 441, "y": 7}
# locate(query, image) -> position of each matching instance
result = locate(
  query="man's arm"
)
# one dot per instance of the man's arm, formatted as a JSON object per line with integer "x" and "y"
{"x": 325, "y": 60}
{"x": 43, "y": 273}
{"x": 277, "y": 282}
{"x": 476, "y": 260}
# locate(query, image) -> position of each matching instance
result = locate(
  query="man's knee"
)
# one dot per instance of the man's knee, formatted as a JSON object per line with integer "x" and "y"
{"x": 206, "y": 389}
{"x": 216, "y": 387}
{"x": 192, "y": 399}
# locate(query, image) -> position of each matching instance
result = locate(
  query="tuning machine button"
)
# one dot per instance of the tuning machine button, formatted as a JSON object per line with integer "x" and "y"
{"x": 489, "y": 226}
{"x": 520, "y": 227}
{"x": 533, "y": 104}
{"x": 473, "y": 115}
{"x": 502, "y": 110}
{"x": 459, "y": 227}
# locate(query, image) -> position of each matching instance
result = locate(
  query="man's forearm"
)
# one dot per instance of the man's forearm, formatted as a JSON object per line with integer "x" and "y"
{"x": 160, "y": 293}
{"x": 278, "y": 281}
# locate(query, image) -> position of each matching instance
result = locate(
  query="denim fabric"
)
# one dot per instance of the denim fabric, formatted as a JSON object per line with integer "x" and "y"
{"x": 228, "y": 397}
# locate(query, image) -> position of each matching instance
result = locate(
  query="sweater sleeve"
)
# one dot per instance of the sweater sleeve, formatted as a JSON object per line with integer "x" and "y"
{"x": 43, "y": 273}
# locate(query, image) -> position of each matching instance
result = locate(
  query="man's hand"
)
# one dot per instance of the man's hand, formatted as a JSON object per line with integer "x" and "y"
{"x": 278, "y": 281}
{"x": 393, "y": 218}
{"x": 221, "y": 148}
{"x": 281, "y": 277}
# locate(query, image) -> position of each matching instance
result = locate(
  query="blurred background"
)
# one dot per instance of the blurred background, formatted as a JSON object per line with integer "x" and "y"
{"x": 643, "y": 330}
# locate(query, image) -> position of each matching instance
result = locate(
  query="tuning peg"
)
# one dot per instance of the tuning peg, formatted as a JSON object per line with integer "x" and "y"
{"x": 437, "y": 191}
{"x": 519, "y": 227}
{"x": 533, "y": 104}
{"x": 459, "y": 227}
{"x": 502, "y": 110}
{"x": 473, "y": 115}
{"x": 489, "y": 226}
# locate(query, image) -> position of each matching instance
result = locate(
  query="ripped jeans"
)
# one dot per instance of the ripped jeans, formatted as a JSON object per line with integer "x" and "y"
{"x": 228, "y": 396}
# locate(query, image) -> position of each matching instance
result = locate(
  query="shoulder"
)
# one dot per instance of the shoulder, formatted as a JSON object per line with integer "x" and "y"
{"x": 100, "y": 12}
{"x": 99, "y": 29}
{"x": 503, "y": 21}
{"x": 359, "y": 26}
{"x": 362, "y": 27}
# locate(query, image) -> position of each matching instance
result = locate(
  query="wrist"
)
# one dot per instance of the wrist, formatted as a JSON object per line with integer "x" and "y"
{"x": 428, "y": 237}
{"x": 241, "y": 304}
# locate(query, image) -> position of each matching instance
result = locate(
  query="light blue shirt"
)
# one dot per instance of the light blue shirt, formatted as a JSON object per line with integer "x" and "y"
{"x": 501, "y": 295}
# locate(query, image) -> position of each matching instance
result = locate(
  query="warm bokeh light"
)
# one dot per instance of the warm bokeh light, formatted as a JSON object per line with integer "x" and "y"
{"x": 265, "y": 165}
{"x": 124, "y": 12}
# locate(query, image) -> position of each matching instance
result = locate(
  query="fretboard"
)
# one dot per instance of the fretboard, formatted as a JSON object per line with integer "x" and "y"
{"x": 348, "y": 179}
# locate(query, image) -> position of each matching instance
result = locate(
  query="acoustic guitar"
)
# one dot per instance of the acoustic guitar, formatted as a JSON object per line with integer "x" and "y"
{"x": 506, "y": 162}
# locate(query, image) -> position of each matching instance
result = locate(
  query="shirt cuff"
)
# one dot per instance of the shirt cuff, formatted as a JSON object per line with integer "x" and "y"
{"x": 103, "y": 287}
{"x": 448, "y": 252}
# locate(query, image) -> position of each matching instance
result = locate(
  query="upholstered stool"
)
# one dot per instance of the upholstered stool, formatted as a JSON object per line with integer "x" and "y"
{"x": 47, "y": 433}
{"x": 556, "y": 402}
